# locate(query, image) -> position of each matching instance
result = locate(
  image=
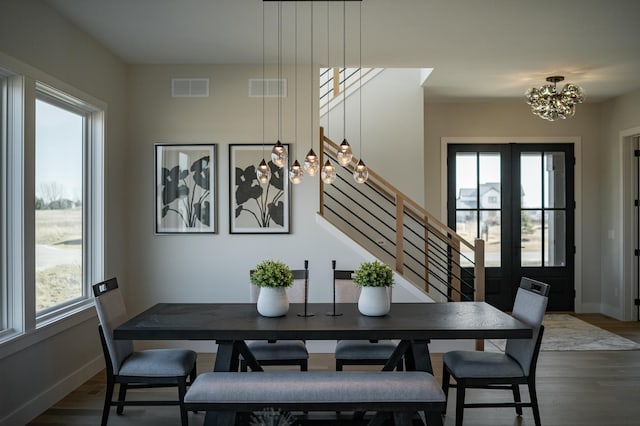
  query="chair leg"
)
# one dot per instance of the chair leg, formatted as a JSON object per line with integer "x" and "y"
{"x": 446, "y": 378}
{"x": 122, "y": 394}
{"x": 108, "y": 397}
{"x": 338, "y": 365}
{"x": 243, "y": 366}
{"x": 460, "y": 402}
{"x": 534, "y": 401}
{"x": 182, "y": 390}
{"x": 516, "y": 398}
{"x": 304, "y": 365}
{"x": 433, "y": 418}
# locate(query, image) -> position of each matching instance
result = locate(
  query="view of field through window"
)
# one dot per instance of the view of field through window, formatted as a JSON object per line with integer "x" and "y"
{"x": 58, "y": 215}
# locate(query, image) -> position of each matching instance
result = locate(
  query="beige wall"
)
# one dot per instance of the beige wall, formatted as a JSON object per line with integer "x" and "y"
{"x": 620, "y": 117}
{"x": 33, "y": 34}
{"x": 204, "y": 267}
{"x": 392, "y": 128}
{"x": 514, "y": 120}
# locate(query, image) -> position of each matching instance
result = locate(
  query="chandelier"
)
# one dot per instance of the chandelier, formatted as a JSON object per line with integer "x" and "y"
{"x": 546, "y": 102}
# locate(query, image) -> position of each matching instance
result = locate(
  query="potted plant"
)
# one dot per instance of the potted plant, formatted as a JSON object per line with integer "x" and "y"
{"x": 273, "y": 277}
{"x": 374, "y": 278}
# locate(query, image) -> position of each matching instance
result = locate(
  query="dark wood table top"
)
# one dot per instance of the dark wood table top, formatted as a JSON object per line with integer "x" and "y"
{"x": 241, "y": 321}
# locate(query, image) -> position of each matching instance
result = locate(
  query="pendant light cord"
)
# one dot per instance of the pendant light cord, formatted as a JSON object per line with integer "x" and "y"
{"x": 360, "y": 72}
{"x": 344, "y": 63}
{"x": 263, "y": 81}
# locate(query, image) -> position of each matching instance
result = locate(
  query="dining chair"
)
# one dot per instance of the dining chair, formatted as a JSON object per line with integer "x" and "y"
{"x": 358, "y": 352}
{"x": 282, "y": 352}
{"x": 508, "y": 370}
{"x": 131, "y": 369}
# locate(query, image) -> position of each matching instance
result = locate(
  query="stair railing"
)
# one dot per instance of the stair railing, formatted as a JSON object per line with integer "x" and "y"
{"x": 401, "y": 233}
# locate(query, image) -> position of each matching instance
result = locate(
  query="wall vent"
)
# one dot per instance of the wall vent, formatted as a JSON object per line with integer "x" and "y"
{"x": 189, "y": 87}
{"x": 272, "y": 87}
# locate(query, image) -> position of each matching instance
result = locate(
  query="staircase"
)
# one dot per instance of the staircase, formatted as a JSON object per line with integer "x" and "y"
{"x": 401, "y": 233}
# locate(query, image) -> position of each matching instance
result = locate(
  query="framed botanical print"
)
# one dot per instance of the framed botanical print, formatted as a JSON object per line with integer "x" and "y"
{"x": 256, "y": 208}
{"x": 186, "y": 189}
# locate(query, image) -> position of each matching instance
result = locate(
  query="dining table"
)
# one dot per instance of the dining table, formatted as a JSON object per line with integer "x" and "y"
{"x": 413, "y": 325}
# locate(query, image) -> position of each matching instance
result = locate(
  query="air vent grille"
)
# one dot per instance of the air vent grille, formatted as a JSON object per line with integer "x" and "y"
{"x": 271, "y": 87}
{"x": 189, "y": 87}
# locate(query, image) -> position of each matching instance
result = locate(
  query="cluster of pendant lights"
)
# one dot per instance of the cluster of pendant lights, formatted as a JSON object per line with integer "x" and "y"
{"x": 311, "y": 163}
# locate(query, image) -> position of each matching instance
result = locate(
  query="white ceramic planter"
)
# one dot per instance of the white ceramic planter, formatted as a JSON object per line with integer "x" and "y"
{"x": 374, "y": 301}
{"x": 273, "y": 302}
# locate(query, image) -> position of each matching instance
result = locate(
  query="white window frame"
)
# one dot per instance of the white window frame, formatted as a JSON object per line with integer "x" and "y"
{"x": 19, "y": 325}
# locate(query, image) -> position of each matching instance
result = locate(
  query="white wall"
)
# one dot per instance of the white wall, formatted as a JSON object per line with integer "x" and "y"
{"x": 515, "y": 120}
{"x": 618, "y": 116}
{"x": 392, "y": 128}
{"x": 38, "y": 369}
{"x": 215, "y": 268}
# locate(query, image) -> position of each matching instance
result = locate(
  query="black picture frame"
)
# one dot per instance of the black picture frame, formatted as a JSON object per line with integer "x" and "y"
{"x": 186, "y": 183}
{"x": 255, "y": 208}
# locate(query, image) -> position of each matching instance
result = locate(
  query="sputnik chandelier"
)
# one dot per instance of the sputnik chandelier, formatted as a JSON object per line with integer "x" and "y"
{"x": 546, "y": 102}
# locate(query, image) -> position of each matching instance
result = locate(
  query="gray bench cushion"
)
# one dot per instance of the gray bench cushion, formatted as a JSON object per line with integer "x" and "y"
{"x": 315, "y": 387}
{"x": 470, "y": 364}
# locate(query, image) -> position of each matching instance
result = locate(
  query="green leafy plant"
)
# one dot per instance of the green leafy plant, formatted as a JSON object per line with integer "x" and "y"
{"x": 272, "y": 273}
{"x": 373, "y": 274}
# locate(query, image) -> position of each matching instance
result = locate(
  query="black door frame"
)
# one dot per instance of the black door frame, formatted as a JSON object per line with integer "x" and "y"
{"x": 540, "y": 144}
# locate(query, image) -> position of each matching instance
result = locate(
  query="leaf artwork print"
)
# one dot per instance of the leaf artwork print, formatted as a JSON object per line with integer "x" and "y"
{"x": 265, "y": 204}
{"x": 185, "y": 193}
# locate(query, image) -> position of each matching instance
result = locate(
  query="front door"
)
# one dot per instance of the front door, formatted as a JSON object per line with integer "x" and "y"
{"x": 519, "y": 198}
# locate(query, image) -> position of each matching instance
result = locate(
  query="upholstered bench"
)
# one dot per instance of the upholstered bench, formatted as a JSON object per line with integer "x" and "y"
{"x": 400, "y": 392}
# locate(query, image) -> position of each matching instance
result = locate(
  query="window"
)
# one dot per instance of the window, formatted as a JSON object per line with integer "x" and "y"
{"x": 51, "y": 204}
{"x": 58, "y": 205}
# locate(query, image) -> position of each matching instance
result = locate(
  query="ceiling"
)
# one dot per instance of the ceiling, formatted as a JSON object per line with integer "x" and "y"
{"x": 478, "y": 49}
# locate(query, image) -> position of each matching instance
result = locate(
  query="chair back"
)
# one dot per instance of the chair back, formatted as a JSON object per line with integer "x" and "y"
{"x": 112, "y": 313}
{"x": 529, "y": 307}
{"x": 346, "y": 290}
{"x": 295, "y": 293}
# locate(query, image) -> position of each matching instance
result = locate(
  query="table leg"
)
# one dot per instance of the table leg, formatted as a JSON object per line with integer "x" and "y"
{"x": 418, "y": 358}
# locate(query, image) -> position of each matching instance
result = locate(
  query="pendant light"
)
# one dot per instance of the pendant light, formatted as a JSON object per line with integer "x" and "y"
{"x": 311, "y": 163}
{"x": 295, "y": 172}
{"x": 344, "y": 153}
{"x": 263, "y": 172}
{"x": 328, "y": 172}
{"x": 279, "y": 153}
{"x": 361, "y": 173}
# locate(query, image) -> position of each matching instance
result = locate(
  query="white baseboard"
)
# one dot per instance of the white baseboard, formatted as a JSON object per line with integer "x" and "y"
{"x": 38, "y": 405}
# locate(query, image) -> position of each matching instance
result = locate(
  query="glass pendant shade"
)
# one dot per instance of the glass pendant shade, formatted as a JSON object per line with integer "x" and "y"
{"x": 263, "y": 173}
{"x": 344, "y": 153}
{"x": 296, "y": 173}
{"x": 311, "y": 163}
{"x": 328, "y": 173}
{"x": 361, "y": 173}
{"x": 279, "y": 154}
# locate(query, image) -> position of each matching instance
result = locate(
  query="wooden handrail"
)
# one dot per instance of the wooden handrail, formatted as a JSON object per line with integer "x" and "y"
{"x": 431, "y": 225}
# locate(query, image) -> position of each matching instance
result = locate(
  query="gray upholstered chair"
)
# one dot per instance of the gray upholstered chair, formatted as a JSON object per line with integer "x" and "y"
{"x": 282, "y": 352}
{"x": 508, "y": 370}
{"x": 142, "y": 369}
{"x": 357, "y": 352}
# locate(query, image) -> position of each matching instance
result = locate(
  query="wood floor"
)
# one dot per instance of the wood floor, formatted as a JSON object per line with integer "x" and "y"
{"x": 599, "y": 388}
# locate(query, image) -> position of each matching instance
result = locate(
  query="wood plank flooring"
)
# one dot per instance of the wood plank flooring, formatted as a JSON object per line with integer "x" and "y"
{"x": 597, "y": 388}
